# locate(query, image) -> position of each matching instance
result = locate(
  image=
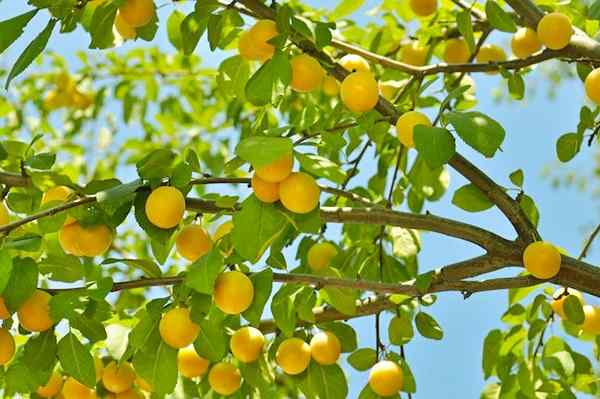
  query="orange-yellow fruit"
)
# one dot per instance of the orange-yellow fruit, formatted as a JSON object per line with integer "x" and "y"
{"x": 3, "y": 214}
{"x": 129, "y": 394}
{"x": 405, "y": 126}
{"x": 592, "y": 86}
{"x": 386, "y": 378}
{"x": 224, "y": 378}
{"x": 126, "y": 31}
{"x": 118, "y": 378}
{"x": 94, "y": 240}
{"x": 233, "y": 292}
{"x": 73, "y": 389}
{"x": 177, "y": 328}
{"x": 456, "y": 51}
{"x": 542, "y": 259}
{"x": 190, "y": 364}
{"x": 143, "y": 384}
{"x": 7, "y": 346}
{"x": 299, "y": 193}
{"x": 325, "y": 348}
{"x": 525, "y": 42}
{"x": 414, "y": 54}
{"x": 193, "y": 242}
{"x": 247, "y": 344}
{"x": 99, "y": 367}
{"x": 69, "y": 238}
{"x": 591, "y": 324}
{"x": 557, "y": 304}
{"x": 52, "y": 387}
{"x": 223, "y": 230}
{"x": 320, "y": 255}
{"x": 423, "y": 8}
{"x": 246, "y": 48}
{"x": 359, "y": 91}
{"x": 34, "y": 313}
{"x": 265, "y": 191}
{"x": 260, "y": 34}
{"x": 354, "y": 63}
{"x": 307, "y": 73}
{"x": 490, "y": 53}
{"x": 277, "y": 170}
{"x": 555, "y": 30}
{"x": 331, "y": 87}
{"x": 4, "y": 312}
{"x": 81, "y": 100}
{"x": 165, "y": 207}
{"x": 137, "y": 12}
{"x": 293, "y": 356}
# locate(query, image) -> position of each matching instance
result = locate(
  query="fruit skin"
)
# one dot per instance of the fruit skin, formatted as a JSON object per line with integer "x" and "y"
{"x": 245, "y": 48}
{"x": 233, "y": 292}
{"x": 554, "y": 30}
{"x": 423, "y": 8}
{"x": 320, "y": 255}
{"x": 7, "y": 346}
{"x": 525, "y": 42}
{"x": 126, "y": 31}
{"x": 456, "y": 51}
{"x": 265, "y": 191}
{"x": 405, "y": 126}
{"x": 165, "y": 207}
{"x": 143, "y": 384}
{"x": 247, "y": 344}
{"x": 177, "y": 329}
{"x": 129, "y": 394}
{"x": 99, "y": 367}
{"x": 354, "y": 63}
{"x": 330, "y": 86}
{"x": 307, "y": 73}
{"x": 542, "y": 259}
{"x": 52, "y": 387}
{"x": 94, "y": 240}
{"x": 224, "y": 378}
{"x": 263, "y": 31}
{"x": 490, "y": 53}
{"x": 325, "y": 348}
{"x": 591, "y": 324}
{"x": 68, "y": 238}
{"x": 293, "y": 356}
{"x": 137, "y": 12}
{"x": 386, "y": 378}
{"x": 34, "y": 313}
{"x": 359, "y": 91}
{"x": 193, "y": 242}
{"x": 592, "y": 87}
{"x": 190, "y": 364}
{"x": 299, "y": 193}
{"x": 3, "y": 214}
{"x": 414, "y": 54}
{"x": 277, "y": 170}
{"x": 118, "y": 378}
{"x": 557, "y": 304}
{"x": 4, "y": 312}
{"x": 73, "y": 389}
{"x": 223, "y": 230}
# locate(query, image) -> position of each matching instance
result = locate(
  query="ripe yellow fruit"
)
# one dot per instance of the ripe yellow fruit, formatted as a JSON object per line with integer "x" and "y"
{"x": 591, "y": 324}
{"x": 386, "y": 378}
{"x": 405, "y": 126}
{"x": 34, "y": 313}
{"x": 325, "y": 348}
{"x": 224, "y": 378}
{"x": 165, "y": 207}
{"x": 293, "y": 356}
{"x": 247, "y": 344}
{"x": 490, "y": 53}
{"x": 388, "y": 89}
{"x": 265, "y": 191}
{"x": 94, "y": 240}
{"x": 137, "y": 12}
{"x": 129, "y": 394}
{"x": 331, "y": 87}
{"x": 52, "y": 387}
{"x": 7, "y": 346}
{"x": 190, "y": 364}
{"x": 4, "y": 312}
{"x": 423, "y": 8}
{"x": 99, "y": 367}
{"x": 177, "y": 328}
{"x": 223, "y": 230}
{"x": 542, "y": 259}
{"x": 118, "y": 378}
{"x": 592, "y": 87}
{"x": 277, "y": 170}
{"x": 299, "y": 193}
{"x": 3, "y": 214}
{"x": 73, "y": 389}
{"x": 354, "y": 63}
{"x": 557, "y": 304}
{"x": 193, "y": 242}
{"x": 260, "y": 34}
{"x": 359, "y": 91}
{"x": 126, "y": 31}
{"x": 320, "y": 255}
{"x": 69, "y": 238}
{"x": 234, "y": 292}
{"x": 307, "y": 73}
{"x": 554, "y": 30}
{"x": 456, "y": 51}
{"x": 143, "y": 384}
{"x": 525, "y": 42}
{"x": 414, "y": 54}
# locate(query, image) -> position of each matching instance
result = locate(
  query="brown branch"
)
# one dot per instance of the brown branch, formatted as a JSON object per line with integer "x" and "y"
{"x": 588, "y": 243}
{"x": 14, "y": 180}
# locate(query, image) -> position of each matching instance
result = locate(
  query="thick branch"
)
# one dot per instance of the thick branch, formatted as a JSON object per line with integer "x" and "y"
{"x": 14, "y": 180}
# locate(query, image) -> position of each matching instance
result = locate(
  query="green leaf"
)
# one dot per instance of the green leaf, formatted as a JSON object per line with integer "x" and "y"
{"x": 561, "y": 361}
{"x": 91, "y": 328}
{"x": 517, "y": 177}
{"x": 150, "y": 268}
{"x": 323, "y": 34}
{"x": 471, "y": 199}
{"x": 40, "y": 351}
{"x": 20, "y": 378}
{"x": 478, "y": 130}
{"x": 363, "y": 359}
{"x": 263, "y": 285}
{"x": 528, "y": 206}
{"x": 22, "y": 283}
{"x": 174, "y": 29}
{"x": 594, "y": 10}
{"x": 233, "y": 76}
{"x": 322, "y": 167}
{"x": 283, "y": 309}
{"x": 428, "y": 327}
{"x": 436, "y": 145}
{"x": 491, "y": 351}
{"x": 192, "y": 29}
{"x": 157, "y": 164}
{"x": 156, "y": 363}
{"x": 573, "y": 309}
{"x": 328, "y": 382}
{"x": 215, "y": 30}
{"x": 567, "y": 146}
{"x": 345, "y": 8}
{"x": 42, "y": 161}
{"x": 263, "y": 150}
{"x": 66, "y": 268}
{"x": 76, "y": 360}
{"x": 11, "y": 29}
{"x": 113, "y": 198}
{"x": 101, "y": 26}
{"x": 211, "y": 343}
{"x": 344, "y": 333}
{"x": 6, "y": 267}
{"x": 499, "y": 18}
{"x": 400, "y": 330}
{"x": 465, "y": 27}
{"x": 203, "y": 273}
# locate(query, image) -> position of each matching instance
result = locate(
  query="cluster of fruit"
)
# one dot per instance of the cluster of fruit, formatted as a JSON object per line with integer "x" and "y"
{"x": 67, "y": 94}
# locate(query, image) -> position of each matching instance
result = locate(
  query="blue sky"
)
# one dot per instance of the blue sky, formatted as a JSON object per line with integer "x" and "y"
{"x": 451, "y": 368}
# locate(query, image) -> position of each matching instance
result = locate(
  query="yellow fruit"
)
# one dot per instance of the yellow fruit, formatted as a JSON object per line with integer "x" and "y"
{"x": 557, "y": 304}
{"x": 320, "y": 255}
{"x": 4, "y": 312}
{"x": 388, "y": 89}
{"x": 190, "y": 364}
{"x": 354, "y": 63}
{"x": 414, "y": 54}
{"x": 542, "y": 259}
{"x": 423, "y": 8}
{"x": 73, "y": 389}
{"x": 456, "y": 51}
{"x": 137, "y": 12}
{"x": 246, "y": 48}
{"x": 58, "y": 193}
{"x": 525, "y": 42}
{"x": 7, "y": 346}
{"x": 143, "y": 384}
{"x": 325, "y": 348}
{"x": 490, "y": 53}
{"x": 591, "y": 324}
{"x": 592, "y": 88}
{"x": 359, "y": 91}
{"x": 3, "y": 214}
{"x": 126, "y": 31}
{"x": 331, "y": 87}
{"x": 260, "y": 34}
{"x": 405, "y": 126}
{"x": 165, "y": 207}
{"x": 69, "y": 238}
{"x": 234, "y": 292}
{"x": 94, "y": 240}
{"x": 293, "y": 356}
{"x": 277, "y": 170}
{"x": 193, "y": 242}
{"x": 54, "y": 100}
{"x": 34, "y": 313}
{"x": 299, "y": 193}
{"x": 118, "y": 378}
{"x": 223, "y": 230}
{"x": 265, "y": 191}
{"x": 307, "y": 73}
{"x": 80, "y": 100}
{"x": 247, "y": 344}
{"x": 52, "y": 387}
{"x": 177, "y": 328}
{"x": 224, "y": 378}
{"x": 385, "y": 378}
{"x": 99, "y": 367}
{"x": 129, "y": 394}
{"x": 554, "y": 30}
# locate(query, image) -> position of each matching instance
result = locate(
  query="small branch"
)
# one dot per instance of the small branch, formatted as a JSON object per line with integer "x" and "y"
{"x": 588, "y": 243}
{"x": 14, "y": 180}
{"x": 471, "y": 8}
